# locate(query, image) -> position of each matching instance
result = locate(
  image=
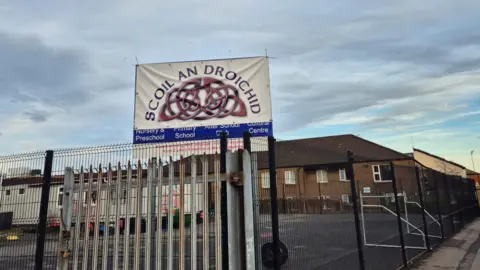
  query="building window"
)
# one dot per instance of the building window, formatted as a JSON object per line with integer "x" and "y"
{"x": 342, "y": 175}
{"x": 7, "y": 192}
{"x": 94, "y": 197}
{"x": 21, "y": 191}
{"x": 382, "y": 173}
{"x": 60, "y": 197}
{"x": 265, "y": 179}
{"x": 290, "y": 178}
{"x": 347, "y": 198}
{"x": 322, "y": 176}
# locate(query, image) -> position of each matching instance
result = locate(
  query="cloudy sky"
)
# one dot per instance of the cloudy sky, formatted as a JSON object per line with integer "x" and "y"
{"x": 394, "y": 72}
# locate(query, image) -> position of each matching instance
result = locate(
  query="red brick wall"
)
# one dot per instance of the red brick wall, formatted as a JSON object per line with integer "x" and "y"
{"x": 311, "y": 196}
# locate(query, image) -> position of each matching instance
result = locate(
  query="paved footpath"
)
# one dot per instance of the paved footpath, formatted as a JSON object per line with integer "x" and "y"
{"x": 462, "y": 252}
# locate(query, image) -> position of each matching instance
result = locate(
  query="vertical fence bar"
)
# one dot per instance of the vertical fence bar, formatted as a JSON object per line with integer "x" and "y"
{"x": 223, "y": 170}
{"x": 126, "y": 249}
{"x": 106, "y": 223}
{"x": 397, "y": 210}
{"x": 96, "y": 237}
{"x": 218, "y": 214}
{"x": 150, "y": 175}
{"x": 78, "y": 219}
{"x": 273, "y": 200}
{"x": 182, "y": 214}
{"x": 351, "y": 176}
{"x": 449, "y": 202}
{"x": 88, "y": 201}
{"x": 118, "y": 183}
{"x": 256, "y": 217}
{"x": 159, "y": 244}
{"x": 250, "y": 193}
{"x": 138, "y": 216}
{"x": 66, "y": 218}
{"x": 457, "y": 181}
{"x": 437, "y": 195}
{"x": 249, "y": 214}
{"x": 170, "y": 216}
{"x": 206, "y": 216}
{"x": 193, "y": 210}
{"x": 422, "y": 206}
{"x": 42, "y": 223}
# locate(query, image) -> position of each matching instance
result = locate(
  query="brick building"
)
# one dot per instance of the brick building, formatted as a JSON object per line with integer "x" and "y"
{"x": 311, "y": 174}
{"x": 475, "y": 176}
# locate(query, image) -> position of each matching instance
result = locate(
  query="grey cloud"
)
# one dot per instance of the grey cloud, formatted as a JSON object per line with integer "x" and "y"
{"x": 32, "y": 71}
{"x": 36, "y": 116}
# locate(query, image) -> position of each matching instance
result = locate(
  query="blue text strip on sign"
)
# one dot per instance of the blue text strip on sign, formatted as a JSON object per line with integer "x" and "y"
{"x": 201, "y": 133}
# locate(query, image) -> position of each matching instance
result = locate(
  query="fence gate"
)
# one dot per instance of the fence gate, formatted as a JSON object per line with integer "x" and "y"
{"x": 158, "y": 215}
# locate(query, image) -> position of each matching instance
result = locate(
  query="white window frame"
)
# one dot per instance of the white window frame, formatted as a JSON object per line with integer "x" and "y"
{"x": 322, "y": 176}
{"x": 265, "y": 179}
{"x": 379, "y": 173}
{"x": 24, "y": 190}
{"x": 8, "y": 192}
{"x": 348, "y": 198}
{"x": 289, "y": 175}
{"x": 340, "y": 175}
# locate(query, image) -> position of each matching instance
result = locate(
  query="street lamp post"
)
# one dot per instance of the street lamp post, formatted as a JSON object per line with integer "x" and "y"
{"x": 473, "y": 163}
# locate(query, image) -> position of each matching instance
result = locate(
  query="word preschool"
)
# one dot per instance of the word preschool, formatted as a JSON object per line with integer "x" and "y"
{"x": 199, "y": 100}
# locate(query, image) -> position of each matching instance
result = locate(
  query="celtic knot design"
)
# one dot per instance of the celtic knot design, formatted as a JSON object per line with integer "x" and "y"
{"x": 202, "y": 99}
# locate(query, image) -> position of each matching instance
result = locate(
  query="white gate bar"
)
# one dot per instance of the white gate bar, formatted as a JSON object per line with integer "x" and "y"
{"x": 382, "y": 196}
{"x": 426, "y": 212}
{"x": 138, "y": 216}
{"x": 88, "y": 202}
{"x": 96, "y": 238}
{"x": 218, "y": 215}
{"x": 193, "y": 211}
{"x": 119, "y": 193}
{"x": 150, "y": 175}
{"x": 206, "y": 215}
{"x": 433, "y": 236}
{"x": 126, "y": 233}
{"x": 78, "y": 220}
{"x": 393, "y": 213}
{"x": 406, "y": 210}
{"x": 182, "y": 214}
{"x": 170, "y": 216}
{"x": 159, "y": 216}
{"x": 363, "y": 220}
{"x": 392, "y": 246}
{"x": 106, "y": 224}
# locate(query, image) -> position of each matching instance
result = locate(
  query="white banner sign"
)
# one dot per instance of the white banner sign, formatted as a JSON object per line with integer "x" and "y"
{"x": 204, "y": 93}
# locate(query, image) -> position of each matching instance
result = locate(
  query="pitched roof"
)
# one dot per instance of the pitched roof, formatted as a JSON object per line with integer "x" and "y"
{"x": 470, "y": 172}
{"x": 329, "y": 150}
{"x": 437, "y": 157}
